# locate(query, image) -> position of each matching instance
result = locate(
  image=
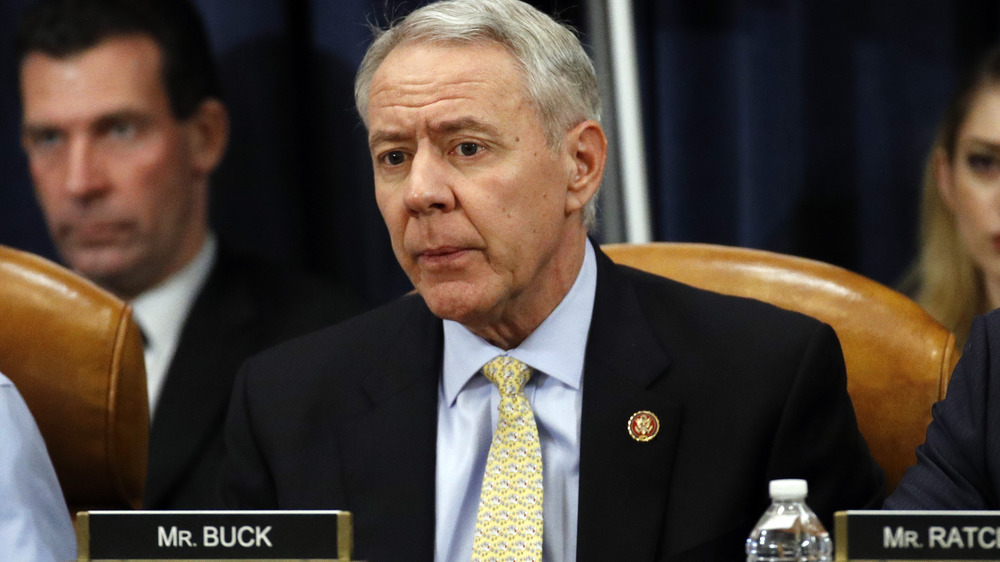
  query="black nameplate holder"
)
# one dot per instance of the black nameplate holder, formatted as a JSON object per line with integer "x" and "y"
{"x": 917, "y": 535}
{"x": 214, "y": 535}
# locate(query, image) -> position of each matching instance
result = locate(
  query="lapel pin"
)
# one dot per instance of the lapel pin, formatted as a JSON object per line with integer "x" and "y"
{"x": 643, "y": 426}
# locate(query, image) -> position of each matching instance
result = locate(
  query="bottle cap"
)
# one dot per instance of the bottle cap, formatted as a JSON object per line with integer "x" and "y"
{"x": 788, "y": 488}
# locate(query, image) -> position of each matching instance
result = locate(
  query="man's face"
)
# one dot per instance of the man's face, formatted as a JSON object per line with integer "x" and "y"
{"x": 114, "y": 171}
{"x": 476, "y": 203}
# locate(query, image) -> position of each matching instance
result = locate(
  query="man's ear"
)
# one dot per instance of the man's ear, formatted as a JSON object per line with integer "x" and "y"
{"x": 587, "y": 148}
{"x": 209, "y": 130}
{"x": 944, "y": 177}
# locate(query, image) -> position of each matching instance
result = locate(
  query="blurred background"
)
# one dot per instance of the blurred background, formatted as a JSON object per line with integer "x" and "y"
{"x": 794, "y": 126}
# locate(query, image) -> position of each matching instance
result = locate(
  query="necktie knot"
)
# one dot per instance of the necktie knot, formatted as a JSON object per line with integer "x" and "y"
{"x": 508, "y": 374}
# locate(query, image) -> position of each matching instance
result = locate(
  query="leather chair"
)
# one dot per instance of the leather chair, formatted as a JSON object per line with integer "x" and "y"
{"x": 899, "y": 359}
{"x": 75, "y": 354}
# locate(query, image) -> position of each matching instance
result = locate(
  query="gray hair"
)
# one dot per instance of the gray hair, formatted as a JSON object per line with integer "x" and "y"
{"x": 559, "y": 78}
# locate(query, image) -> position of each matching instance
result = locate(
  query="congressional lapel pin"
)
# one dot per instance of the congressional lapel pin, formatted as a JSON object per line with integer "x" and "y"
{"x": 643, "y": 426}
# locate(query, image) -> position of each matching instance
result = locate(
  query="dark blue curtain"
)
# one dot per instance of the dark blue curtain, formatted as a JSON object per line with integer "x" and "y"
{"x": 296, "y": 183}
{"x": 21, "y": 224}
{"x": 800, "y": 127}
{"x": 794, "y": 126}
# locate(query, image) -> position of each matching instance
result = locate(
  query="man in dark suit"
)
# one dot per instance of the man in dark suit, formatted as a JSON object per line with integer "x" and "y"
{"x": 123, "y": 125}
{"x": 958, "y": 465}
{"x": 659, "y": 411}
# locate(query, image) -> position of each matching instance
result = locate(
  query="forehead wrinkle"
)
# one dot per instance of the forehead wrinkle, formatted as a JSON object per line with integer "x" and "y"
{"x": 413, "y": 89}
{"x": 992, "y": 143}
{"x": 463, "y": 124}
{"x": 984, "y": 140}
{"x": 431, "y": 97}
{"x": 445, "y": 127}
{"x": 123, "y": 113}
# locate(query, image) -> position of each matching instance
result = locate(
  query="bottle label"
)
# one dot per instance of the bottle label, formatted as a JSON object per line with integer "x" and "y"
{"x": 780, "y": 522}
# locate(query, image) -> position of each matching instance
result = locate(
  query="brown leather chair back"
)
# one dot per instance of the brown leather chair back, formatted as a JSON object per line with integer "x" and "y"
{"x": 898, "y": 358}
{"x": 76, "y": 357}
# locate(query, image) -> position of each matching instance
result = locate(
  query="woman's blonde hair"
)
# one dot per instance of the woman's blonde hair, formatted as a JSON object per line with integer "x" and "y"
{"x": 944, "y": 279}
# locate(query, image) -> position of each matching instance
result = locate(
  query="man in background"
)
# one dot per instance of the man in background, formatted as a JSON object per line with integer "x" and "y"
{"x": 532, "y": 400}
{"x": 123, "y": 124}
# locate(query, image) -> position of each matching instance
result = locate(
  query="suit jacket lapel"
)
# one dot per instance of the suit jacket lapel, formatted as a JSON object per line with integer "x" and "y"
{"x": 623, "y": 482}
{"x": 389, "y": 475}
{"x": 199, "y": 381}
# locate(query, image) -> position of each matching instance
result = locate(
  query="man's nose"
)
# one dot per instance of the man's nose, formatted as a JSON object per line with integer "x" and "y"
{"x": 429, "y": 185}
{"x": 85, "y": 174}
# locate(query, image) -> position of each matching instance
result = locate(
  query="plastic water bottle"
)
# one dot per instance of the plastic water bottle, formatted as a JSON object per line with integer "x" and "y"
{"x": 789, "y": 531}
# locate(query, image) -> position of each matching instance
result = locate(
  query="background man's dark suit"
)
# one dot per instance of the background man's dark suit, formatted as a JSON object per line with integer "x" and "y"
{"x": 244, "y": 307}
{"x": 958, "y": 465}
{"x": 745, "y": 393}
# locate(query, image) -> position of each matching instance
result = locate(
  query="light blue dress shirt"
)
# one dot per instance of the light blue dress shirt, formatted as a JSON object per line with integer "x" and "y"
{"x": 34, "y": 519}
{"x": 468, "y": 413}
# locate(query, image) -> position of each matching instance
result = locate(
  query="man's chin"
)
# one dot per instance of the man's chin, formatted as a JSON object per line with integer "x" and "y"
{"x": 460, "y": 301}
{"x": 452, "y": 301}
{"x": 107, "y": 268}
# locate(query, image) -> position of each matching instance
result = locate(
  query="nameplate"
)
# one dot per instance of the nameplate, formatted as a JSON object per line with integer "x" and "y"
{"x": 214, "y": 535}
{"x": 917, "y": 535}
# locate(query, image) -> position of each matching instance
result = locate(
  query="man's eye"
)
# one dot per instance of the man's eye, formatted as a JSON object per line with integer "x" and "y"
{"x": 394, "y": 158}
{"x": 468, "y": 149}
{"x": 45, "y": 138}
{"x": 982, "y": 162}
{"x": 122, "y": 130}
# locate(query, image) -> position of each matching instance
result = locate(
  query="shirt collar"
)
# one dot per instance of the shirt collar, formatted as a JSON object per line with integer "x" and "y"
{"x": 555, "y": 348}
{"x": 161, "y": 311}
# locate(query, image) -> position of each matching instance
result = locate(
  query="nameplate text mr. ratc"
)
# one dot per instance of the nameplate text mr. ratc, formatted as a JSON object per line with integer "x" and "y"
{"x": 917, "y": 535}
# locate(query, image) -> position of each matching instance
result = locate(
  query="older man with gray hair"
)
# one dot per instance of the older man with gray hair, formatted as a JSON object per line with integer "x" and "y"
{"x": 532, "y": 400}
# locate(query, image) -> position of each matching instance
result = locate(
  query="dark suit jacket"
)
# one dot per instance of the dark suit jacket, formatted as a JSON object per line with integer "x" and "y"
{"x": 745, "y": 392}
{"x": 244, "y": 307}
{"x": 958, "y": 465}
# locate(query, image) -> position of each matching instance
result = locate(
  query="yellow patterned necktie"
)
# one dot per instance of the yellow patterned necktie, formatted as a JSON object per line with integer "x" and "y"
{"x": 509, "y": 524}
